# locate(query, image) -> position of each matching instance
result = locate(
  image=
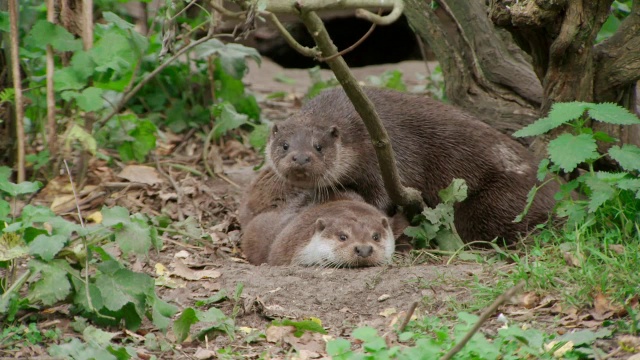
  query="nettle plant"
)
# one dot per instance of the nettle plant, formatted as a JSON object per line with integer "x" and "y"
{"x": 611, "y": 209}
{"x": 69, "y": 262}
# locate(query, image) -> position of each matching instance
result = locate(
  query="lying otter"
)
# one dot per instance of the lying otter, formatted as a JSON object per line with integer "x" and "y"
{"x": 340, "y": 233}
{"x": 326, "y": 148}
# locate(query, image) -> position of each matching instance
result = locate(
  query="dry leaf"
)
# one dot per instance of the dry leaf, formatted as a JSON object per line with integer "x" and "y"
{"x": 276, "y": 334}
{"x": 182, "y": 254}
{"x": 204, "y": 354}
{"x": 530, "y": 299}
{"x": 180, "y": 270}
{"x": 629, "y": 342}
{"x": 388, "y": 312}
{"x": 384, "y": 297}
{"x": 604, "y": 309}
{"x": 574, "y": 260}
{"x": 617, "y": 248}
{"x": 96, "y": 217}
{"x": 141, "y": 174}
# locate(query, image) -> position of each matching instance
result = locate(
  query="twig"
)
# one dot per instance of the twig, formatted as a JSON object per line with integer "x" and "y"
{"x": 487, "y": 313}
{"x": 408, "y": 316}
{"x": 205, "y": 156}
{"x": 51, "y": 101}
{"x": 175, "y": 186}
{"x": 303, "y": 50}
{"x": 86, "y": 249}
{"x": 17, "y": 86}
{"x": 355, "y": 45}
{"x": 398, "y": 7}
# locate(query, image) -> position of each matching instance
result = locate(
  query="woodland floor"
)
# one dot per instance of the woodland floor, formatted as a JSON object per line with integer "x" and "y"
{"x": 341, "y": 298}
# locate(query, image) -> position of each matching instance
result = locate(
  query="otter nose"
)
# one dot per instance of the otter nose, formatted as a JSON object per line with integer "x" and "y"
{"x": 363, "y": 250}
{"x": 301, "y": 158}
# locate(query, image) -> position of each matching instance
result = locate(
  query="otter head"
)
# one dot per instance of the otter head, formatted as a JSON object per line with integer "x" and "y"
{"x": 349, "y": 242}
{"x": 305, "y": 157}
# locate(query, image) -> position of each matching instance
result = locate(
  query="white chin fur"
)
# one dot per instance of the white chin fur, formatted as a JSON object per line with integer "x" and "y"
{"x": 390, "y": 247}
{"x": 317, "y": 252}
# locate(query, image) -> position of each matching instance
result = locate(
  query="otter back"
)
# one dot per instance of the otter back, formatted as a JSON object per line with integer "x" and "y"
{"x": 326, "y": 146}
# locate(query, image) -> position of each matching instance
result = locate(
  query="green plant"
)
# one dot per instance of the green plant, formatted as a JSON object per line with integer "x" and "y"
{"x": 68, "y": 262}
{"x": 318, "y": 84}
{"x": 430, "y": 338}
{"x": 390, "y": 79}
{"x": 612, "y": 211}
{"x": 437, "y": 223}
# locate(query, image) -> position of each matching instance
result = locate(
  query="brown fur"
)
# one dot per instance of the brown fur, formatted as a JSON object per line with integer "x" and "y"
{"x": 356, "y": 221}
{"x": 328, "y": 149}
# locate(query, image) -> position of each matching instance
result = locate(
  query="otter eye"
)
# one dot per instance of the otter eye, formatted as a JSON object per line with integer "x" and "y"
{"x": 343, "y": 237}
{"x": 285, "y": 146}
{"x": 376, "y": 237}
{"x": 319, "y": 147}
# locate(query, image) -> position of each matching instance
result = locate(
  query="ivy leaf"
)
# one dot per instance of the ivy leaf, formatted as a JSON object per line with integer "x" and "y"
{"x": 601, "y": 191}
{"x": 560, "y": 113}
{"x": 44, "y": 33}
{"x": 568, "y": 150}
{"x": 182, "y": 325}
{"x": 132, "y": 235}
{"x": 53, "y": 285}
{"x": 628, "y": 156}
{"x": 46, "y": 247}
{"x": 226, "y": 119}
{"x": 613, "y": 114}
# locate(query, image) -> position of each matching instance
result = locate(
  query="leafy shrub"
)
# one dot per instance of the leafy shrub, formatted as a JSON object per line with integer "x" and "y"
{"x": 613, "y": 198}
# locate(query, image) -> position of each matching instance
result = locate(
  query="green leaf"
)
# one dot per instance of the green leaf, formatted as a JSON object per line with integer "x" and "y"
{"x": 12, "y": 246}
{"x": 561, "y": 113}
{"x": 585, "y": 337}
{"x": 5, "y": 24}
{"x": 226, "y": 119}
{"x": 182, "y": 325}
{"x": 123, "y": 287}
{"x": 44, "y": 33}
{"x": 97, "y": 336}
{"x": 613, "y": 114}
{"x": 90, "y": 99}
{"x": 132, "y": 235}
{"x": 338, "y": 347}
{"x": 259, "y": 135}
{"x": 455, "y": 192}
{"x": 77, "y": 350}
{"x": 117, "y": 51}
{"x": 232, "y": 56}
{"x": 217, "y": 297}
{"x": 144, "y": 140}
{"x": 301, "y": 326}
{"x": 543, "y": 169}
{"x": 231, "y": 89}
{"x": 53, "y": 285}
{"x": 628, "y": 156}
{"x": 161, "y": 313}
{"x": 568, "y": 150}
{"x": 601, "y": 191}
{"x": 603, "y": 136}
{"x": 5, "y": 210}
{"x": 630, "y": 184}
{"x": 77, "y": 133}
{"x": 68, "y": 79}
{"x": 80, "y": 298}
{"x": 46, "y": 247}
{"x": 25, "y": 187}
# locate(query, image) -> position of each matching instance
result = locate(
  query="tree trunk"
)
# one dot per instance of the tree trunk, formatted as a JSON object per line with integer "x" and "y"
{"x": 485, "y": 73}
{"x": 490, "y": 75}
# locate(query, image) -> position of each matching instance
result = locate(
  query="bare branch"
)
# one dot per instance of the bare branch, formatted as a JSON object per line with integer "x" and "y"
{"x": 291, "y": 6}
{"x": 17, "y": 86}
{"x": 410, "y": 198}
{"x": 288, "y": 38}
{"x": 394, "y": 15}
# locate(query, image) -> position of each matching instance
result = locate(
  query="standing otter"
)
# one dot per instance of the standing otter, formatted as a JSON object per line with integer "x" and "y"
{"x": 344, "y": 233}
{"x": 325, "y": 147}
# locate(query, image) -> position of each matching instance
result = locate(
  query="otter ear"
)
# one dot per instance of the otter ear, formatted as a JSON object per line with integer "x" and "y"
{"x": 385, "y": 222}
{"x": 334, "y": 131}
{"x": 320, "y": 225}
{"x": 274, "y": 129}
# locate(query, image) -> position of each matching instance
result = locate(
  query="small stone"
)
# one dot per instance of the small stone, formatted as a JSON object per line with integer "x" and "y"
{"x": 383, "y": 297}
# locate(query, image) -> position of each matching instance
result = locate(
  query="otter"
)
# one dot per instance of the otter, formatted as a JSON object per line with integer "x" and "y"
{"x": 340, "y": 233}
{"x": 325, "y": 147}
{"x": 273, "y": 236}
